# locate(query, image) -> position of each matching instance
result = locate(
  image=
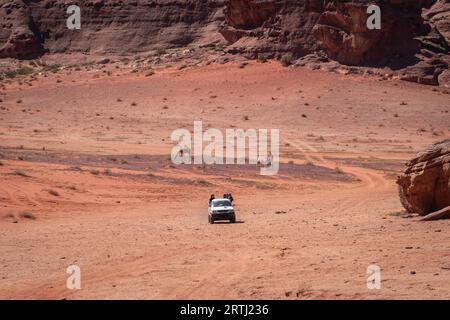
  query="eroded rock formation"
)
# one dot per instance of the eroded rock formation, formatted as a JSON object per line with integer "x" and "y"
{"x": 425, "y": 185}
{"x": 410, "y": 40}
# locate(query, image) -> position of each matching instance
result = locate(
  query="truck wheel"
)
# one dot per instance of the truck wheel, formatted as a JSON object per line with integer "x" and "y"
{"x": 233, "y": 219}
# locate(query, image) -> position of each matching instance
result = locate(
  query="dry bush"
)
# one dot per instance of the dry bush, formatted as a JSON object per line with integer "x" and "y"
{"x": 262, "y": 58}
{"x": 203, "y": 182}
{"x": 339, "y": 170}
{"x": 27, "y": 215}
{"x": 53, "y": 192}
{"x": 20, "y": 173}
{"x": 286, "y": 60}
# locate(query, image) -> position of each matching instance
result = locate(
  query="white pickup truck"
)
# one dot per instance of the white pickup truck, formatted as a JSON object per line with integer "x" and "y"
{"x": 221, "y": 209}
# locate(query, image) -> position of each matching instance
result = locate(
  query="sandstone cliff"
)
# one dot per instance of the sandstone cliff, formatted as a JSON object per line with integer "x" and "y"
{"x": 413, "y": 38}
{"x": 108, "y": 26}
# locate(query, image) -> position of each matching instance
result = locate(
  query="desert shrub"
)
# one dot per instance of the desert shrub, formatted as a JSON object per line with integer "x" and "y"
{"x": 20, "y": 173}
{"x": 436, "y": 60}
{"x": 125, "y": 61}
{"x": 203, "y": 182}
{"x": 219, "y": 47}
{"x": 338, "y": 170}
{"x": 54, "y": 67}
{"x": 53, "y": 193}
{"x": 27, "y": 215}
{"x": 286, "y": 60}
{"x": 262, "y": 58}
{"x": 22, "y": 71}
{"x": 161, "y": 51}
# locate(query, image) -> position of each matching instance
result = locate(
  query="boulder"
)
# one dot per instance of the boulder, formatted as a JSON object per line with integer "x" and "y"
{"x": 424, "y": 186}
{"x": 424, "y": 72}
{"x": 444, "y": 79}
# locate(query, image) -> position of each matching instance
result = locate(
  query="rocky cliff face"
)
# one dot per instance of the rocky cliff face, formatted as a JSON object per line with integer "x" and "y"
{"x": 343, "y": 34}
{"x": 413, "y": 32}
{"x": 107, "y": 26}
{"x": 336, "y": 27}
{"x": 425, "y": 184}
{"x": 413, "y": 38}
{"x": 271, "y": 27}
{"x": 18, "y": 34}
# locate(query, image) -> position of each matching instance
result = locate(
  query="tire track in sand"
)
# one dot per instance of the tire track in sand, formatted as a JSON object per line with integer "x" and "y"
{"x": 353, "y": 195}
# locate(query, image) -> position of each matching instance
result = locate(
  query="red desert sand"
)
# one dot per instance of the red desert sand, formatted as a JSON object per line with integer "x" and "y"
{"x": 86, "y": 179}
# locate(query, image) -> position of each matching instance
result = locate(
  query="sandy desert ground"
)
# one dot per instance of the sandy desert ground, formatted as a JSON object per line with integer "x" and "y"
{"x": 86, "y": 179}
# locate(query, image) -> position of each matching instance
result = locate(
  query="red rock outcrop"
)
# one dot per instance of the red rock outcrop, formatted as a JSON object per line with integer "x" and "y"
{"x": 425, "y": 185}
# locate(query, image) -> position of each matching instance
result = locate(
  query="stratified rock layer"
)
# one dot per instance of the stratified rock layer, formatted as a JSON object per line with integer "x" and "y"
{"x": 107, "y": 26}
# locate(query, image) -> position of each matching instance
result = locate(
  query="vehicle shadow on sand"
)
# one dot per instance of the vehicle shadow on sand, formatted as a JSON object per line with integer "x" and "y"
{"x": 226, "y": 222}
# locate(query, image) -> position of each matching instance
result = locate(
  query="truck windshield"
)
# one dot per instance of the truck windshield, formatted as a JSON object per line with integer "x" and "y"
{"x": 222, "y": 203}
